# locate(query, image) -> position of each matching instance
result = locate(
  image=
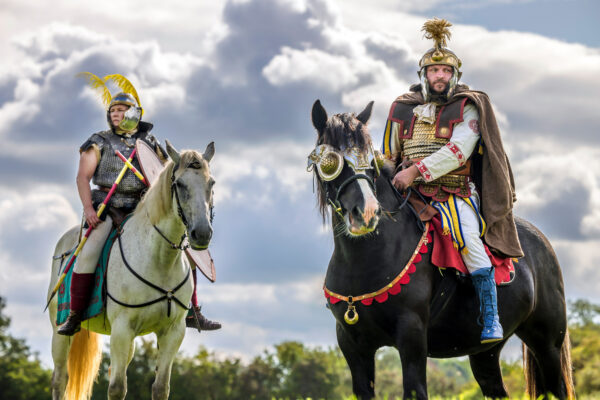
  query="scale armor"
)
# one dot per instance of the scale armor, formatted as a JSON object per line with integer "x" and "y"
{"x": 423, "y": 143}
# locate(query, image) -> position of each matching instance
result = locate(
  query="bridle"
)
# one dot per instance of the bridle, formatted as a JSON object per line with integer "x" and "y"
{"x": 335, "y": 203}
{"x": 181, "y": 214}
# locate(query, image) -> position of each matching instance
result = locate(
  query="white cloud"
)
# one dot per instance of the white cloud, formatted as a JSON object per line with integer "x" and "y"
{"x": 245, "y": 74}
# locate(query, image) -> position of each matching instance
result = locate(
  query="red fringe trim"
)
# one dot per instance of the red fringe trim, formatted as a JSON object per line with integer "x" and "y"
{"x": 397, "y": 287}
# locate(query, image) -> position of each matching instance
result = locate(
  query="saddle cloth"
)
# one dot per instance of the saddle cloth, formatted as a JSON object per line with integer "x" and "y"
{"x": 98, "y": 297}
{"x": 445, "y": 255}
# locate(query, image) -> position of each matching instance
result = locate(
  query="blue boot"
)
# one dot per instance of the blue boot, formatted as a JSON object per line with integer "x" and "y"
{"x": 483, "y": 280}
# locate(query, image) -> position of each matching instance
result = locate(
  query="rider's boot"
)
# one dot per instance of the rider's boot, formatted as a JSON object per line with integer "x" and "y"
{"x": 81, "y": 289}
{"x": 196, "y": 320}
{"x": 485, "y": 284}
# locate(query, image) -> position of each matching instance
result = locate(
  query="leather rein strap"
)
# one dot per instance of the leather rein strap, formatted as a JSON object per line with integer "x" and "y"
{"x": 169, "y": 295}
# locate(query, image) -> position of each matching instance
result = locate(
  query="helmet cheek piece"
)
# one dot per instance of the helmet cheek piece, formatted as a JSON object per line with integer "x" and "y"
{"x": 456, "y": 75}
{"x": 132, "y": 116}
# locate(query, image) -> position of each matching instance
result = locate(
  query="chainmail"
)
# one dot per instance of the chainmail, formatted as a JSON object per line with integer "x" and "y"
{"x": 129, "y": 190}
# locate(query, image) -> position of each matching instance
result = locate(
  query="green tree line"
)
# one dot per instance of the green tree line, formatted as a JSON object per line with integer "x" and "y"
{"x": 291, "y": 370}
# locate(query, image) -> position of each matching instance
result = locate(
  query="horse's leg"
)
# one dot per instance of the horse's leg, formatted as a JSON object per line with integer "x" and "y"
{"x": 121, "y": 353}
{"x": 168, "y": 345}
{"x": 60, "y": 353}
{"x": 412, "y": 346}
{"x": 546, "y": 351}
{"x": 487, "y": 373}
{"x": 361, "y": 360}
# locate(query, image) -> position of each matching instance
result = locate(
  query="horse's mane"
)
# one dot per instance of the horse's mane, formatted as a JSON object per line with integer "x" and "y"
{"x": 342, "y": 131}
{"x": 157, "y": 200}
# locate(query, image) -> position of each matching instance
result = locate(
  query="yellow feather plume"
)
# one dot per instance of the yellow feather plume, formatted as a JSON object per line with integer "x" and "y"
{"x": 124, "y": 84}
{"x": 97, "y": 84}
{"x": 437, "y": 29}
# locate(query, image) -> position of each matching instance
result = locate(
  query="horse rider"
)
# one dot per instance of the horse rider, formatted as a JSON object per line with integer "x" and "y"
{"x": 446, "y": 143}
{"x": 99, "y": 163}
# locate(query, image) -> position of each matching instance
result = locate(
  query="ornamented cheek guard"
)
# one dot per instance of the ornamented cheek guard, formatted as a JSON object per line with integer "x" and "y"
{"x": 329, "y": 162}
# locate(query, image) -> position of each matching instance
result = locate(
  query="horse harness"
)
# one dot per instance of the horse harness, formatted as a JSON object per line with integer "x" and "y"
{"x": 168, "y": 295}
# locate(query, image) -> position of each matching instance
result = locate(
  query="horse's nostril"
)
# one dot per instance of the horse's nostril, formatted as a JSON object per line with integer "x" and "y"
{"x": 356, "y": 212}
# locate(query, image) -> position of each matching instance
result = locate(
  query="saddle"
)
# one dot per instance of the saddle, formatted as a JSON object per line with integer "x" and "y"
{"x": 98, "y": 297}
{"x": 445, "y": 255}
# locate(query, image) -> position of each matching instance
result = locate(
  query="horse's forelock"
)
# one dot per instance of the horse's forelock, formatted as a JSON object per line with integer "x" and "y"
{"x": 345, "y": 130}
{"x": 342, "y": 131}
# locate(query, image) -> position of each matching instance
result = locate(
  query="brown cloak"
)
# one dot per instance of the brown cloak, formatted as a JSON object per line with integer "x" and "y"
{"x": 491, "y": 172}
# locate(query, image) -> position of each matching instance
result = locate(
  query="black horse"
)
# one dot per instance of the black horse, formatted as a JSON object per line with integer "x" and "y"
{"x": 435, "y": 314}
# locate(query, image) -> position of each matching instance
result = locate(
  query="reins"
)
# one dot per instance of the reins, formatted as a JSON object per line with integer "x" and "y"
{"x": 169, "y": 295}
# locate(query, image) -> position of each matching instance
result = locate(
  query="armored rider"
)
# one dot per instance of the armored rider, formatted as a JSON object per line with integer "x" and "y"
{"x": 447, "y": 145}
{"x": 99, "y": 164}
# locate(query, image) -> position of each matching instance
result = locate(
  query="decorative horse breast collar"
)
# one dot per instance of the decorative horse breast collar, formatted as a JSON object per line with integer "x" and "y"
{"x": 393, "y": 288}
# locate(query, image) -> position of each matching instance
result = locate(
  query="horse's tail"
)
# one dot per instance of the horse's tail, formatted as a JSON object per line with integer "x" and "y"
{"x": 532, "y": 373}
{"x": 83, "y": 364}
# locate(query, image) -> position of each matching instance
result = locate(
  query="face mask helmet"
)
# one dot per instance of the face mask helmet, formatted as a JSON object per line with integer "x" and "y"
{"x": 438, "y": 30}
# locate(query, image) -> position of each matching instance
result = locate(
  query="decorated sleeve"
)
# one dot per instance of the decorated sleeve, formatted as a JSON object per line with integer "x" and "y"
{"x": 391, "y": 145}
{"x": 455, "y": 153}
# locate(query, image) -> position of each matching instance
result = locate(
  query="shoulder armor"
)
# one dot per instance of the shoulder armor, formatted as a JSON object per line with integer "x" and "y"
{"x": 403, "y": 115}
{"x": 450, "y": 114}
{"x": 98, "y": 139}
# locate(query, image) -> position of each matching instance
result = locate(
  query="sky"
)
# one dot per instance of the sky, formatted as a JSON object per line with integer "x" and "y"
{"x": 245, "y": 74}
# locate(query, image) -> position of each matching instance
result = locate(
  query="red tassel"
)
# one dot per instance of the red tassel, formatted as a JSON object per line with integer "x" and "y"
{"x": 367, "y": 302}
{"x": 405, "y": 279}
{"x": 417, "y": 259}
{"x": 423, "y": 249}
{"x": 395, "y": 289}
{"x": 382, "y": 297}
{"x": 412, "y": 268}
{"x": 334, "y": 300}
{"x": 326, "y": 294}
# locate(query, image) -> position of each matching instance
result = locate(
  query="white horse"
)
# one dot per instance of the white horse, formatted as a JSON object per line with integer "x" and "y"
{"x": 179, "y": 201}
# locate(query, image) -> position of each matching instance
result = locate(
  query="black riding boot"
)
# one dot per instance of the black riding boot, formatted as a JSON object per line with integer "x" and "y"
{"x": 72, "y": 325}
{"x": 196, "y": 320}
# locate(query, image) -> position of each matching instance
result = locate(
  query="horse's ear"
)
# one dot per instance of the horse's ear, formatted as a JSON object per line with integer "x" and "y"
{"x": 209, "y": 152}
{"x": 319, "y": 117}
{"x": 174, "y": 154}
{"x": 365, "y": 114}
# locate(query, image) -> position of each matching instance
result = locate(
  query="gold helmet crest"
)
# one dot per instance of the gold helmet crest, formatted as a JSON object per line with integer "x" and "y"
{"x": 438, "y": 30}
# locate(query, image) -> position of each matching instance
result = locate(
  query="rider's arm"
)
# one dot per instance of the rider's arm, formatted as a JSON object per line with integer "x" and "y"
{"x": 87, "y": 166}
{"x": 455, "y": 153}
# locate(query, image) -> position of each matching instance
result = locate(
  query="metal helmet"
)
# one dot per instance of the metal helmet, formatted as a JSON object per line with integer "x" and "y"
{"x": 132, "y": 116}
{"x": 128, "y": 97}
{"x": 437, "y": 29}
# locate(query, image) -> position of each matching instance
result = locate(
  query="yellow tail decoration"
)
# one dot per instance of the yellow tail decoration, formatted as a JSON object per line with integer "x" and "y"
{"x": 83, "y": 365}
{"x": 124, "y": 84}
{"x": 97, "y": 84}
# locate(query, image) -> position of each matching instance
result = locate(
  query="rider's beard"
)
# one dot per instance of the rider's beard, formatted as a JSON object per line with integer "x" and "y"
{"x": 439, "y": 97}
